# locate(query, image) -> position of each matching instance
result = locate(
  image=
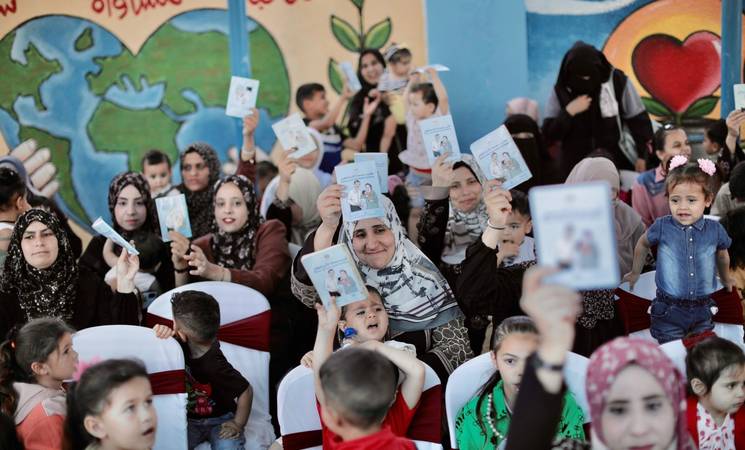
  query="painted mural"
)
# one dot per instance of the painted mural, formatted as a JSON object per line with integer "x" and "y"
{"x": 100, "y": 82}
{"x": 670, "y": 49}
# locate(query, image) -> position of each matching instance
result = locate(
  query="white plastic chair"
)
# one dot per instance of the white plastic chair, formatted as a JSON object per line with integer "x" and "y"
{"x": 300, "y": 424}
{"x": 237, "y": 302}
{"x": 159, "y": 356}
{"x": 465, "y": 382}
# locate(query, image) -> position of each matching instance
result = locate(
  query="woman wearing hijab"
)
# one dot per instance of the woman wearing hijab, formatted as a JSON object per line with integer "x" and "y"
{"x": 133, "y": 216}
{"x": 384, "y": 134}
{"x": 421, "y": 307}
{"x": 200, "y": 170}
{"x": 582, "y": 111}
{"x": 41, "y": 279}
{"x": 527, "y": 136}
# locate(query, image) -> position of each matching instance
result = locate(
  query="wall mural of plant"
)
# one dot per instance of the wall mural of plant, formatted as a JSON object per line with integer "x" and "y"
{"x": 355, "y": 40}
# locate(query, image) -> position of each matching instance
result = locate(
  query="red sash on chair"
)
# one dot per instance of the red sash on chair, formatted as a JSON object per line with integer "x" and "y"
{"x": 251, "y": 332}
{"x": 168, "y": 382}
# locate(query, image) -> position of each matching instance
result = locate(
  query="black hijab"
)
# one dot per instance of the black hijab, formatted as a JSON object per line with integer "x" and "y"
{"x": 138, "y": 181}
{"x": 582, "y": 60}
{"x": 532, "y": 149}
{"x": 201, "y": 212}
{"x": 237, "y": 250}
{"x": 46, "y": 292}
{"x": 358, "y": 103}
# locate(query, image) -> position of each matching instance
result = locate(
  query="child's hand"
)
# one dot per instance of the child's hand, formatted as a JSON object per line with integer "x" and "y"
{"x": 329, "y": 206}
{"x": 328, "y": 319}
{"x": 431, "y": 72}
{"x": 579, "y": 105}
{"x": 251, "y": 122}
{"x": 163, "y": 332}
{"x": 497, "y": 201}
{"x": 230, "y": 430}
{"x": 307, "y": 360}
{"x": 286, "y": 166}
{"x": 126, "y": 268}
{"x": 632, "y": 278}
{"x": 415, "y": 77}
{"x": 369, "y": 107}
{"x": 442, "y": 171}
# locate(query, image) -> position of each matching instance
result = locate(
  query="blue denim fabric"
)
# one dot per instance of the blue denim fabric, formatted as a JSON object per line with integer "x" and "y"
{"x": 686, "y": 256}
{"x": 673, "y": 318}
{"x": 201, "y": 430}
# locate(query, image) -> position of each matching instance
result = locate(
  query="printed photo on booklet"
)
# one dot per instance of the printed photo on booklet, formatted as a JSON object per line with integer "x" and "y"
{"x": 241, "y": 96}
{"x": 352, "y": 81}
{"x": 361, "y": 196}
{"x": 173, "y": 215}
{"x": 381, "y": 164}
{"x": 293, "y": 134}
{"x": 334, "y": 274}
{"x": 438, "y": 136}
{"x": 500, "y": 159}
{"x": 575, "y": 233}
{"x": 739, "y": 96}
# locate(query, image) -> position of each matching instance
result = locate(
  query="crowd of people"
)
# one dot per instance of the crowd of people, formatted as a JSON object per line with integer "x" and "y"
{"x": 450, "y": 271}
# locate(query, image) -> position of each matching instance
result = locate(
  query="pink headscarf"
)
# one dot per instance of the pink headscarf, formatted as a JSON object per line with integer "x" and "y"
{"x": 611, "y": 358}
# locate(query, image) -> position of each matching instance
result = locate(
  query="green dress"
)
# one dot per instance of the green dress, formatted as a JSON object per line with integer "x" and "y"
{"x": 470, "y": 436}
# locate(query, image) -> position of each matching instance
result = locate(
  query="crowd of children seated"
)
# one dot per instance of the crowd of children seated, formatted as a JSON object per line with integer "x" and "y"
{"x": 450, "y": 272}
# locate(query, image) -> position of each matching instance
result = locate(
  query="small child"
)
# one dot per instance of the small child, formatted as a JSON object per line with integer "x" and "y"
{"x": 311, "y": 99}
{"x": 648, "y": 191}
{"x": 690, "y": 251}
{"x": 515, "y": 247}
{"x": 394, "y": 80}
{"x": 34, "y": 362}
{"x": 734, "y": 225}
{"x": 156, "y": 167}
{"x": 344, "y": 389}
{"x": 716, "y": 380}
{"x": 111, "y": 407}
{"x": 484, "y": 421}
{"x": 213, "y": 383}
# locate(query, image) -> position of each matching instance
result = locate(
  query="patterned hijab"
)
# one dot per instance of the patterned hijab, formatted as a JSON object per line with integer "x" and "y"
{"x": 416, "y": 295}
{"x": 41, "y": 292}
{"x": 138, "y": 181}
{"x": 237, "y": 250}
{"x": 611, "y": 358}
{"x": 464, "y": 228}
{"x": 201, "y": 211}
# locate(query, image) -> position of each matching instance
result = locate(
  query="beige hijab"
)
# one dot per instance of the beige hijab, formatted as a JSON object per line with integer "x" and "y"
{"x": 629, "y": 225}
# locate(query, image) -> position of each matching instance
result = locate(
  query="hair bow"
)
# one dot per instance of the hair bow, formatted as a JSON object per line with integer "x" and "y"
{"x": 707, "y": 166}
{"x": 677, "y": 161}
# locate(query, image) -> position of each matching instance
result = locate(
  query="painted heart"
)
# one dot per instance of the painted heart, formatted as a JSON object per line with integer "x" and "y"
{"x": 678, "y": 73}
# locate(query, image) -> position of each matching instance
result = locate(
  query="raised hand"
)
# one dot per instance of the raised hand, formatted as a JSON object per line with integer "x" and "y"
{"x": 579, "y": 105}
{"x": 442, "y": 171}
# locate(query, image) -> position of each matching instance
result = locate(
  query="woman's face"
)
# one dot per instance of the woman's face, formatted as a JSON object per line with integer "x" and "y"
{"x": 39, "y": 245}
{"x": 371, "y": 69}
{"x": 465, "y": 190}
{"x": 130, "y": 211}
{"x": 308, "y": 161}
{"x": 637, "y": 413}
{"x": 231, "y": 212}
{"x": 676, "y": 143}
{"x": 373, "y": 243}
{"x": 195, "y": 172}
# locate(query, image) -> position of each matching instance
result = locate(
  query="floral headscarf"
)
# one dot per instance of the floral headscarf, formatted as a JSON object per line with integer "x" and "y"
{"x": 464, "y": 228}
{"x": 46, "y": 292}
{"x": 201, "y": 212}
{"x": 611, "y": 358}
{"x": 237, "y": 250}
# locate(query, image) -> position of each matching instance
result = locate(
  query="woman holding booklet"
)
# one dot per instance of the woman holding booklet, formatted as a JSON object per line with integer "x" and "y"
{"x": 418, "y": 299}
{"x": 41, "y": 278}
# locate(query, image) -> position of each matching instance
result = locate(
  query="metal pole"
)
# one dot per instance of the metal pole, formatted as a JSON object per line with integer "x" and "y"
{"x": 240, "y": 61}
{"x": 731, "y": 52}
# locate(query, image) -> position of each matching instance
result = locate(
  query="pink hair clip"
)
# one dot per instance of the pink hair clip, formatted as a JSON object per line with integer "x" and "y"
{"x": 707, "y": 166}
{"x": 677, "y": 161}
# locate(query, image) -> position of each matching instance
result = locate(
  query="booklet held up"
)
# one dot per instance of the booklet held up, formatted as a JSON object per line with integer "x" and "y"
{"x": 334, "y": 274}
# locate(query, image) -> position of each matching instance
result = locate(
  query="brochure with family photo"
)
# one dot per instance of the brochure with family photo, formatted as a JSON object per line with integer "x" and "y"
{"x": 361, "y": 196}
{"x": 241, "y": 96}
{"x": 381, "y": 165}
{"x": 575, "y": 232}
{"x": 173, "y": 215}
{"x": 500, "y": 159}
{"x": 334, "y": 274}
{"x": 438, "y": 136}
{"x": 105, "y": 229}
{"x": 292, "y": 133}
{"x": 352, "y": 81}
{"x": 739, "y": 96}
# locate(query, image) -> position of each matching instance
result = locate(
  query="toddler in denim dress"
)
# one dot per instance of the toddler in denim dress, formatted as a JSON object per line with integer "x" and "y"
{"x": 691, "y": 250}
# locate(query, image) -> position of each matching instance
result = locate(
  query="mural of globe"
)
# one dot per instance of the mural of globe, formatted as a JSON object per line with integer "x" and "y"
{"x": 76, "y": 89}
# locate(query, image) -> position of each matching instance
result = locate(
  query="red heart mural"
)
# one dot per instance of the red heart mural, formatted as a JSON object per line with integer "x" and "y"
{"x": 678, "y": 73}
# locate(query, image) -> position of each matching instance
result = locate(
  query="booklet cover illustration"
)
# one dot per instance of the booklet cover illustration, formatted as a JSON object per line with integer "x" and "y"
{"x": 241, "y": 96}
{"x": 574, "y": 232}
{"x": 293, "y": 134}
{"x": 352, "y": 81}
{"x": 500, "y": 159}
{"x": 438, "y": 136}
{"x": 173, "y": 215}
{"x": 334, "y": 274}
{"x": 361, "y": 196}
{"x": 381, "y": 164}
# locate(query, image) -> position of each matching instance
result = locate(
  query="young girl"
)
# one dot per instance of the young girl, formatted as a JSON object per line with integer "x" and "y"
{"x": 370, "y": 320}
{"x": 716, "y": 378}
{"x": 34, "y": 362}
{"x": 648, "y": 192}
{"x": 690, "y": 252}
{"x": 483, "y": 422}
{"x": 111, "y": 407}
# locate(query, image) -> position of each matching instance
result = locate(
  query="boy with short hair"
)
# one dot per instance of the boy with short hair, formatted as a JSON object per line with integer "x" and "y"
{"x": 156, "y": 167}
{"x": 515, "y": 247}
{"x": 213, "y": 384}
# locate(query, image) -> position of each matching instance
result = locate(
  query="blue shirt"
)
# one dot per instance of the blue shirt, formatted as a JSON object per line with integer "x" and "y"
{"x": 686, "y": 256}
